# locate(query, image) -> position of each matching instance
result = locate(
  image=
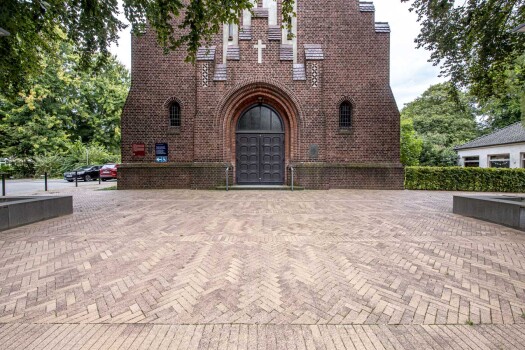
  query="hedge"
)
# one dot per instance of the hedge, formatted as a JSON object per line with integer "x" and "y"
{"x": 465, "y": 179}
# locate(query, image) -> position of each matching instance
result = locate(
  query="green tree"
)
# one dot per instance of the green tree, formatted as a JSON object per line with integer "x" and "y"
{"x": 443, "y": 119}
{"x": 472, "y": 40}
{"x": 411, "y": 143}
{"x": 62, "y": 105}
{"x": 507, "y": 105}
{"x": 35, "y": 25}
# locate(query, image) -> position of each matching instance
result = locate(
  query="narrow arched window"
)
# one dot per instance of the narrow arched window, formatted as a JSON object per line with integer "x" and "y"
{"x": 175, "y": 114}
{"x": 345, "y": 115}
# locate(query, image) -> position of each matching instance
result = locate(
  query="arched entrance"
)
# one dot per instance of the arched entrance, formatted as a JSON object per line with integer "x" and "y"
{"x": 260, "y": 147}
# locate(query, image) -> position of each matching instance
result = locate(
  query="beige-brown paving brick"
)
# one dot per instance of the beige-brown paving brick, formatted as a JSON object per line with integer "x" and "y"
{"x": 313, "y": 269}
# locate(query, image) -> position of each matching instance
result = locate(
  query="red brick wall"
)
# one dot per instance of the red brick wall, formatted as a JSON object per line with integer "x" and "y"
{"x": 355, "y": 68}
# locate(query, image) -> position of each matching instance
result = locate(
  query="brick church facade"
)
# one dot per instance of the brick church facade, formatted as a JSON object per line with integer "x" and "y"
{"x": 264, "y": 105}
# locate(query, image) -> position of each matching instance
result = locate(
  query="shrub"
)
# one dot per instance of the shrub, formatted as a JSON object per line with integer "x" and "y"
{"x": 76, "y": 155}
{"x": 6, "y": 169}
{"x": 465, "y": 179}
{"x": 22, "y": 167}
{"x": 52, "y": 164}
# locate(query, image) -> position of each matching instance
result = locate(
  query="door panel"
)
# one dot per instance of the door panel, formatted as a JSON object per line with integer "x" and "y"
{"x": 247, "y": 158}
{"x": 260, "y": 158}
{"x": 272, "y": 158}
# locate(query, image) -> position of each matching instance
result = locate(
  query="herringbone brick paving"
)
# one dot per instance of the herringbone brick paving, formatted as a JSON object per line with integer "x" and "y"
{"x": 208, "y": 269}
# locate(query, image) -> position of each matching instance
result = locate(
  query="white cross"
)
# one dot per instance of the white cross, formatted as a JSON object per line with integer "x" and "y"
{"x": 259, "y": 47}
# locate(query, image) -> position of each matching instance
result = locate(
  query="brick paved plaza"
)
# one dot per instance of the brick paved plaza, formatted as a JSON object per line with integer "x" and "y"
{"x": 262, "y": 270}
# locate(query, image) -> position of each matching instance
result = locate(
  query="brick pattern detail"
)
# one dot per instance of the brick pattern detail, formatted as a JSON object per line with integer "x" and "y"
{"x": 314, "y": 74}
{"x": 326, "y": 176}
{"x": 195, "y": 176}
{"x": 205, "y": 74}
{"x": 352, "y": 60}
{"x": 339, "y": 269}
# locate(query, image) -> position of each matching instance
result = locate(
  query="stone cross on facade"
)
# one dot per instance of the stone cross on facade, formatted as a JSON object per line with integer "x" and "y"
{"x": 259, "y": 47}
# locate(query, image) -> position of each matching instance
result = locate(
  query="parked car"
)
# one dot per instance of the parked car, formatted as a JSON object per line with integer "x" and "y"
{"x": 109, "y": 171}
{"x": 85, "y": 173}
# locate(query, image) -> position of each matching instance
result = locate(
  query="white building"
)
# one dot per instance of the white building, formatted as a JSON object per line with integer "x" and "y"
{"x": 504, "y": 148}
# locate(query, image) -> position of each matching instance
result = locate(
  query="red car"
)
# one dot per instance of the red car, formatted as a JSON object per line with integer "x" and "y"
{"x": 108, "y": 172}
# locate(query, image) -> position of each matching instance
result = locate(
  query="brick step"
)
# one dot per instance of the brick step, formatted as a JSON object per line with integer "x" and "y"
{"x": 261, "y": 187}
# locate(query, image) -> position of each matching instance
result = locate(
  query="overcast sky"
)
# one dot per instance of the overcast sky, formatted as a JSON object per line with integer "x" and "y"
{"x": 411, "y": 74}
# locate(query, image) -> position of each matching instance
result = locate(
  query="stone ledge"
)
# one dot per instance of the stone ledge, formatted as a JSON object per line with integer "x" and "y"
{"x": 172, "y": 165}
{"x": 19, "y": 211}
{"x": 347, "y": 165}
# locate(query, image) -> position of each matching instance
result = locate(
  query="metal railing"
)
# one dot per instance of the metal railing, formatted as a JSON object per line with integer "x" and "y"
{"x": 228, "y": 166}
{"x": 4, "y": 187}
{"x": 292, "y": 171}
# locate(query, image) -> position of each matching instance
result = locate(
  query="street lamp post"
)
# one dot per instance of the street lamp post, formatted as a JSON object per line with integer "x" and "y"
{"x": 519, "y": 29}
{"x": 4, "y": 32}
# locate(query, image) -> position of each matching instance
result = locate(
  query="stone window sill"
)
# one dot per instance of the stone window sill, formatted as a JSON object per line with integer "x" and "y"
{"x": 345, "y": 131}
{"x": 174, "y": 130}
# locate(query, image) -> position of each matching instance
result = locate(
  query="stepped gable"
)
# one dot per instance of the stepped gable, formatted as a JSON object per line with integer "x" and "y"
{"x": 313, "y": 52}
{"x": 274, "y": 33}
{"x": 286, "y": 52}
{"x": 233, "y": 53}
{"x": 260, "y": 12}
{"x": 299, "y": 72}
{"x": 206, "y": 53}
{"x": 382, "y": 27}
{"x": 245, "y": 33}
{"x": 220, "y": 73}
{"x": 366, "y": 6}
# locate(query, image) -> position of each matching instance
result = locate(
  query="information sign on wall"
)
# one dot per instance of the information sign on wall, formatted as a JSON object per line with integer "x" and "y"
{"x": 139, "y": 149}
{"x": 161, "y": 152}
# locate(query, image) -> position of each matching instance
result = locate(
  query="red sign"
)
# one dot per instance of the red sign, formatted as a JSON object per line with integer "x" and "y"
{"x": 139, "y": 150}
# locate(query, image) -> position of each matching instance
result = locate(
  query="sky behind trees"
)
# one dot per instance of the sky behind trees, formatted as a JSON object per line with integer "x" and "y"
{"x": 411, "y": 74}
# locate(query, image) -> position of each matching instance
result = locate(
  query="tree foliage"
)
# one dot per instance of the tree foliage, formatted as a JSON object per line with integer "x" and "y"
{"x": 411, "y": 143}
{"x": 62, "y": 105}
{"x": 442, "y": 121}
{"x": 472, "y": 40}
{"x": 35, "y": 25}
{"x": 507, "y": 105}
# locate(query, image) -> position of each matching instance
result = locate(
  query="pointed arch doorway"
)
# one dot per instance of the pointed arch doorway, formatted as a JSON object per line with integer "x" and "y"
{"x": 260, "y": 147}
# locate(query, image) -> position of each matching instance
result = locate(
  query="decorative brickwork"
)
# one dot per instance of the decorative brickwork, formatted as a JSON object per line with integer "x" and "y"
{"x": 304, "y": 82}
{"x": 205, "y": 74}
{"x": 314, "y": 74}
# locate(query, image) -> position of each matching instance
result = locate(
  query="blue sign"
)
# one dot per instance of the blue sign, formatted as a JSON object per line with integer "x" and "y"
{"x": 161, "y": 159}
{"x": 161, "y": 149}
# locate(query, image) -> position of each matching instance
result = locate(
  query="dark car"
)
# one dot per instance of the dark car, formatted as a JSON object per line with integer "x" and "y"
{"x": 85, "y": 173}
{"x": 108, "y": 171}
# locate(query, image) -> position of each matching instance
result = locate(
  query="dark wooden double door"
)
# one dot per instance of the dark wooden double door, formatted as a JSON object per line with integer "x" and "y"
{"x": 260, "y": 147}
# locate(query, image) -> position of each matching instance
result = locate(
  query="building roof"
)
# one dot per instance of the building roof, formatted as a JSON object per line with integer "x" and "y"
{"x": 514, "y": 133}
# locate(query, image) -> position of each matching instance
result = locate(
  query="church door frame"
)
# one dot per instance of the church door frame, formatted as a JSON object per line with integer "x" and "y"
{"x": 260, "y": 150}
